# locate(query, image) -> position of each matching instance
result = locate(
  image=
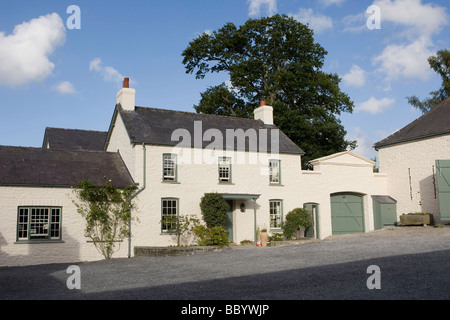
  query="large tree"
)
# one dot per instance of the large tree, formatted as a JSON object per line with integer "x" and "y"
{"x": 441, "y": 65}
{"x": 277, "y": 60}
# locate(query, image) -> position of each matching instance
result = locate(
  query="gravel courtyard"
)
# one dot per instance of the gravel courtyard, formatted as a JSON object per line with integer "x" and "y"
{"x": 414, "y": 263}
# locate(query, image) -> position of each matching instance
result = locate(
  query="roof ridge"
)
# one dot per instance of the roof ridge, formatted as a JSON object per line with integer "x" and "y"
{"x": 68, "y": 129}
{"x": 443, "y": 104}
{"x": 196, "y": 113}
{"x": 59, "y": 150}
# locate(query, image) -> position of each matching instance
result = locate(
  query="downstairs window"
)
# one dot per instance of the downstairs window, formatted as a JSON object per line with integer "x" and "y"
{"x": 39, "y": 223}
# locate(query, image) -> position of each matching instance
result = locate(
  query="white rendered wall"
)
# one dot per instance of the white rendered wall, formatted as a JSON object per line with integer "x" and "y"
{"x": 411, "y": 171}
{"x": 297, "y": 187}
{"x": 119, "y": 141}
{"x": 73, "y": 247}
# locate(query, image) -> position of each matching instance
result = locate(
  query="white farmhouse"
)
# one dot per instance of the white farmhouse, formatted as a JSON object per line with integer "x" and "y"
{"x": 175, "y": 158}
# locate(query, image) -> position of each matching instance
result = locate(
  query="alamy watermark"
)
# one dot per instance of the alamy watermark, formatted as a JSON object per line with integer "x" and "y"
{"x": 374, "y": 20}
{"x": 252, "y": 146}
{"x": 374, "y": 281}
{"x": 74, "y": 20}
{"x": 74, "y": 280}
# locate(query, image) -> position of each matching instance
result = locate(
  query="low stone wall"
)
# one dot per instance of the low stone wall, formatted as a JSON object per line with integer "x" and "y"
{"x": 174, "y": 251}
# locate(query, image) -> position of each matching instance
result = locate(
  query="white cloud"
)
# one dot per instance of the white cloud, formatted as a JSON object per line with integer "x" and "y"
{"x": 420, "y": 19}
{"x": 374, "y": 106}
{"x": 24, "y": 54}
{"x": 317, "y": 22}
{"x": 399, "y": 61}
{"x": 65, "y": 87}
{"x": 331, "y": 2}
{"x": 418, "y": 23}
{"x": 364, "y": 145}
{"x": 254, "y": 8}
{"x": 356, "y": 77}
{"x": 355, "y": 23}
{"x": 109, "y": 74}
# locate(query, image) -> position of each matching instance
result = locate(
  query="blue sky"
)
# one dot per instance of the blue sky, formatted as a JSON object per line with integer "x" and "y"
{"x": 51, "y": 75}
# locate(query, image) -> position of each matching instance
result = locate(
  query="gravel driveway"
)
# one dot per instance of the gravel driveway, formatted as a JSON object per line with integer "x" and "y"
{"x": 413, "y": 262}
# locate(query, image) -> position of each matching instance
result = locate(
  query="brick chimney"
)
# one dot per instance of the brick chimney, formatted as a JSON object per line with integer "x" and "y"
{"x": 264, "y": 113}
{"x": 126, "y": 96}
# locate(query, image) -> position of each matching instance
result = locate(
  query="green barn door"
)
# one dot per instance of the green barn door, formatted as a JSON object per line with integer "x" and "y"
{"x": 443, "y": 179}
{"x": 347, "y": 213}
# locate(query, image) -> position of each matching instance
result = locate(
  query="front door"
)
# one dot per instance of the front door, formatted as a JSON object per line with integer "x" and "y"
{"x": 229, "y": 221}
{"x": 311, "y": 232}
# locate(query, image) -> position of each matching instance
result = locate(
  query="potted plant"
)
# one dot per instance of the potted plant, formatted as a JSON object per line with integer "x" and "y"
{"x": 297, "y": 221}
{"x": 264, "y": 236}
{"x": 258, "y": 239}
{"x": 416, "y": 219}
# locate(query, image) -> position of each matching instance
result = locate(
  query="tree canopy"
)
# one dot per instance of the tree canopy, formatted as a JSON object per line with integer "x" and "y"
{"x": 277, "y": 60}
{"x": 441, "y": 65}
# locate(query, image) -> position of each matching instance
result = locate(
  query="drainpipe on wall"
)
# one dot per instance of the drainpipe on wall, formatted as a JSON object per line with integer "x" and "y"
{"x": 254, "y": 220}
{"x": 134, "y": 195}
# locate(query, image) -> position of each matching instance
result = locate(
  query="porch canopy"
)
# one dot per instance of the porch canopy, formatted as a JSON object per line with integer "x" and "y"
{"x": 240, "y": 196}
{"x": 244, "y": 196}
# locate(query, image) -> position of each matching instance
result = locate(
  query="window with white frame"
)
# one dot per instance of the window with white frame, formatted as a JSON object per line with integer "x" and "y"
{"x": 224, "y": 169}
{"x": 169, "y": 214}
{"x": 169, "y": 167}
{"x": 38, "y": 223}
{"x": 274, "y": 171}
{"x": 276, "y": 214}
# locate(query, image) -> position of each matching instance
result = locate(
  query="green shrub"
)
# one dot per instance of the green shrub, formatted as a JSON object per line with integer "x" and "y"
{"x": 276, "y": 237}
{"x": 214, "y": 209}
{"x": 295, "y": 219}
{"x": 214, "y": 236}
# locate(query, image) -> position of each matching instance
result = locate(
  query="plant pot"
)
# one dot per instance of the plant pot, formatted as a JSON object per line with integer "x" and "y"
{"x": 264, "y": 236}
{"x": 415, "y": 219}
{"x": 299, "y": 233}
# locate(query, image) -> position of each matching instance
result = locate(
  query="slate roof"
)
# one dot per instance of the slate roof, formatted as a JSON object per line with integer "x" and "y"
{"x": 155, "y": 126}
{"x": 433, "y": 123}
{"x": 74, "y": 139}
{"x": 60, "y": 168}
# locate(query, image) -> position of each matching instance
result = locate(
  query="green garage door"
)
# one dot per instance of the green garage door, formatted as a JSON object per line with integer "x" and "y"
{"x": 347, "y": 213}
{"x": 443, "y": 178}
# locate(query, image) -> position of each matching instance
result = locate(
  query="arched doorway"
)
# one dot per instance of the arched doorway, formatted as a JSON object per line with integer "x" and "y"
{"x": 347, "y": 213}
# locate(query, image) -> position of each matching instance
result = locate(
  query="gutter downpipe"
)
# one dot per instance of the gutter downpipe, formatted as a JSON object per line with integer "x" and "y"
{"x": 134, "y": 195}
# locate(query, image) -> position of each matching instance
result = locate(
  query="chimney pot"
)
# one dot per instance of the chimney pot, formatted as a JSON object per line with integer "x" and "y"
{"x": 262, "y": 103}
{"x": 126, "y": 83}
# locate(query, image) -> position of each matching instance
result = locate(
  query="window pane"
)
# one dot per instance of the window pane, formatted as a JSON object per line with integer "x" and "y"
{"x": 224, "y": 169}
{"x": 274, "y": 171}
{"x": 39, "y": 223}
{"x": 169, "y": 167}
{"x": 23, "y": 224}
{"x": 169, "y": 215}
{"x": 275, "y": 214}
{"x": 55, "y": 225}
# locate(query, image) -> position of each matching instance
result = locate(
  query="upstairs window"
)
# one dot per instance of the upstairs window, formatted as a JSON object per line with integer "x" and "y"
{"x": 224, "y": 169}
{"x": 39, "y": 223}
{"x": 169, "y": 167}
{"x": 274, "y": 172}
